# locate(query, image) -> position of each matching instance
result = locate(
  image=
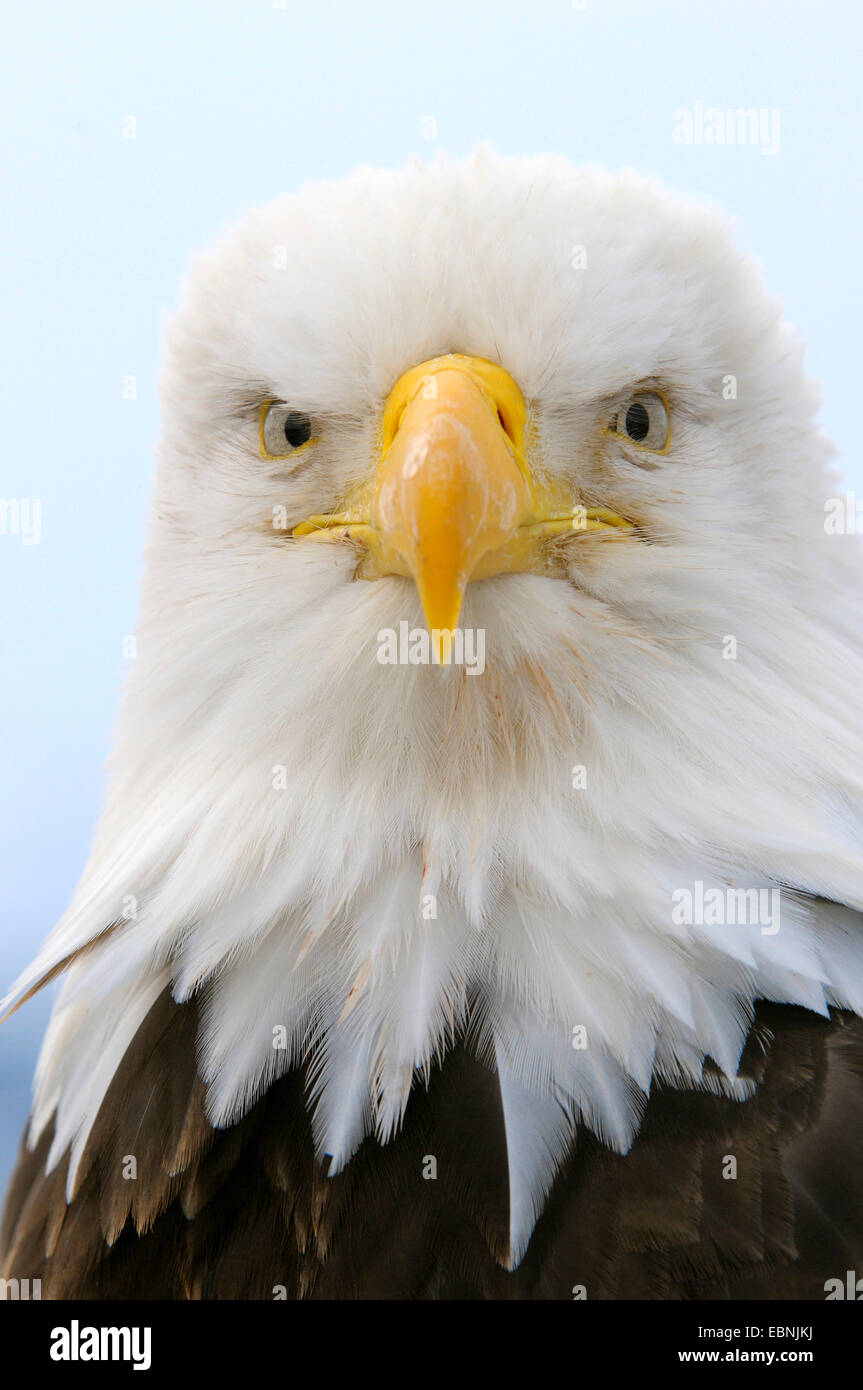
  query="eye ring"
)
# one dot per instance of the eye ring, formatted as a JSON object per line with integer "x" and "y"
{"x": 643, "y": 421}
{"x": 280, "y": 424}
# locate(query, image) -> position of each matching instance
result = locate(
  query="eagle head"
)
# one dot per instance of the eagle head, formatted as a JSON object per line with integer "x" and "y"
{"x": 488, "y": 612}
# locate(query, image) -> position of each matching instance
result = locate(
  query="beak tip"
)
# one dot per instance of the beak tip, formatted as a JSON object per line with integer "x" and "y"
{"x": 441, "y": 624}
{"x": 441, "y": 647}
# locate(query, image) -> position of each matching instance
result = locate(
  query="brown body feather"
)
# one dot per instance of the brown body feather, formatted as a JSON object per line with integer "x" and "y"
{"x": 248, "y": 1212}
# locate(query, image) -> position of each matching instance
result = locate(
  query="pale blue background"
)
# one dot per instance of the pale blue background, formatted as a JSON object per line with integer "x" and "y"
{"x": 236, "y": 100}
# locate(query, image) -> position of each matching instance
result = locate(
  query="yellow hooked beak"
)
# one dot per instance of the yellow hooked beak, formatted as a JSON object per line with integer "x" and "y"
{"x": 452, "y": 498}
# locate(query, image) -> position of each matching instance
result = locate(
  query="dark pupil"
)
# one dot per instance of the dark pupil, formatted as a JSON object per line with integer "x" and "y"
{"x": 637, "y": 421}
{"x": 298, "y": 429}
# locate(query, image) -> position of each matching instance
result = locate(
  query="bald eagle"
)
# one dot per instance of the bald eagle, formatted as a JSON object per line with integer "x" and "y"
{"x": 475, "y": 909}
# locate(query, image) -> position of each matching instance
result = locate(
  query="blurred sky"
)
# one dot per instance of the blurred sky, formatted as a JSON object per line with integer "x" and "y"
{"x": 231, "y": 102}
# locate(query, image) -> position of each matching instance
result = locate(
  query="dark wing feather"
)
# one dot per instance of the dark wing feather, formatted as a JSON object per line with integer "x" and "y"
{"x": 247, "y": 1212}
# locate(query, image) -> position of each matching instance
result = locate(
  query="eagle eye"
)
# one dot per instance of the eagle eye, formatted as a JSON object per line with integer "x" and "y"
{"x": 283, "y": 430}
{"x": 642, "y": 419}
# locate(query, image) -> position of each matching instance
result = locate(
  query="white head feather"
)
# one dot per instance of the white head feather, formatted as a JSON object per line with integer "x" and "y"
{"x": 289, "y": 893}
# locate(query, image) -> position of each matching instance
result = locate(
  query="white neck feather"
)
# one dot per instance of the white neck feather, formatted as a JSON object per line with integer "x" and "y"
{"x": 350, "y": 875}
